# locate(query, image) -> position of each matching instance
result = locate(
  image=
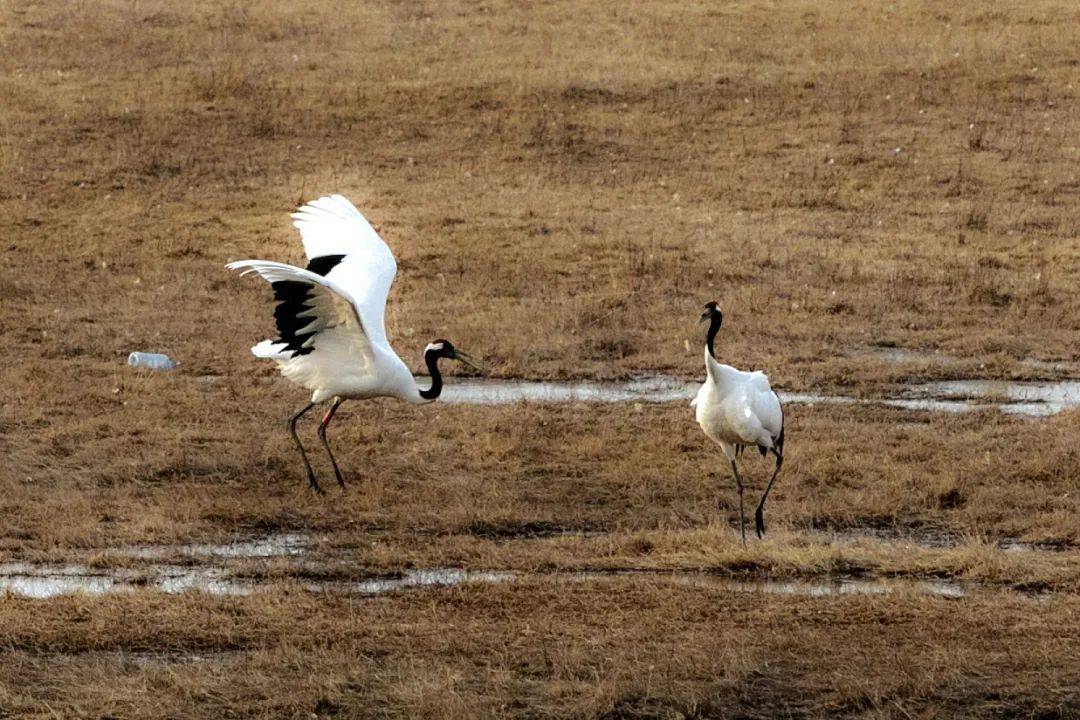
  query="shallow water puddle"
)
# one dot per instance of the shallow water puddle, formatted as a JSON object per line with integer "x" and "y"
{"x": 47, "y": 581}
{"x": 435, "y": 577}
{"x": 1023, "y": 398}
{"x": 919, "y": 538}
{"x": 265, "y": 546}
{"x": 810, "y": 588}
{"x": 42, "y": 581}
{"x": 807, "y": 588}
{"x": 1034, "y": 399}
{"x": 506, "y": 392}
{"x": 899, "y": 356}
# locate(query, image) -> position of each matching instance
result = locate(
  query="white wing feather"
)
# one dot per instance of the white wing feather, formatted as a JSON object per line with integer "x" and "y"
{"x": 766, "y": 408}
{"x": 746, "y": 402}
{"x": 271, "y": 350}
{"x": 333, "y": 226}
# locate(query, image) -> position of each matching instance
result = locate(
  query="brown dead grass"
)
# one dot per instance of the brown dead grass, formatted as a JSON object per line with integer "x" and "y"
{"x": 627, "y": 648}
{"x": 215, "y": 460}
{"x": 564, "y": 185}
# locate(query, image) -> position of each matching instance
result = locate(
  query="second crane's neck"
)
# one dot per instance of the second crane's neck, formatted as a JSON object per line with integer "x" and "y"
{"x": 714, "y": 326}
{"x": 431, "y": 358}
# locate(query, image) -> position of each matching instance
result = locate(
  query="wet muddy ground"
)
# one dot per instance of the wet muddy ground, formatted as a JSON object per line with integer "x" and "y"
{"x": 233, "y": 569}
{"x": 212, "y": 568}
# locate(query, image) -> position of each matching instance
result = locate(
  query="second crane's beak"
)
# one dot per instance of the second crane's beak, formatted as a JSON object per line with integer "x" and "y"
{"x": 469, "y": 361}
{"x": 705, "y": 316}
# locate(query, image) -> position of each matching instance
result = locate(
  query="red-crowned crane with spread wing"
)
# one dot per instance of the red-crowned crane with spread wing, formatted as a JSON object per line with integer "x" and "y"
{"x": 330, "y": 319}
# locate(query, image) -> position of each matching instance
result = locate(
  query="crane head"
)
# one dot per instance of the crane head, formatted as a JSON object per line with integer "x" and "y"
{"x": 446, "y": 349}
{"x": 712, "y": 310}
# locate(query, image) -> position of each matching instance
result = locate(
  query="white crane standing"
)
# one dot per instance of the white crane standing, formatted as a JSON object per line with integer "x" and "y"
{"x": 736, "y": 408}
{"x": 332, "y": 335}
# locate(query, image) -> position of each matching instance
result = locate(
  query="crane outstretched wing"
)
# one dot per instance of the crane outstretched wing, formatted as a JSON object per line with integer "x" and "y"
{"x": 313, "y": 313}
{"x": 341, "y": 244}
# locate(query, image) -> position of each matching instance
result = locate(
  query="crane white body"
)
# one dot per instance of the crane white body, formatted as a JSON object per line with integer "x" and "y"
{"x": 735, "y": 407}
{"x": 337, "y": 372}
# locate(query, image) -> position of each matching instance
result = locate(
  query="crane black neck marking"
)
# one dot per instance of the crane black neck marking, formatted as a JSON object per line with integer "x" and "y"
{"x": 715, "y": 321}
{"x": 431, "y": 357}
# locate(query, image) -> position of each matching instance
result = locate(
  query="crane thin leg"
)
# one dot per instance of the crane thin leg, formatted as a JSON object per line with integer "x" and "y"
{"x": 299, "y": 446}
{"x": 739, "y": 487}
{"x": 322, "y": 437}
{"x": 759, "y": 515}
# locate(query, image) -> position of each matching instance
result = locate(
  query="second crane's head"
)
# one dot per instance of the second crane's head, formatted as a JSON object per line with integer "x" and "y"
{"x": 712, "y": 314}
{"x": 715, "y": 318}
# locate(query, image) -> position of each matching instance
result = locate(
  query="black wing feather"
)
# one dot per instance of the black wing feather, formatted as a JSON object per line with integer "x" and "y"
{"x": 292, "y": 297}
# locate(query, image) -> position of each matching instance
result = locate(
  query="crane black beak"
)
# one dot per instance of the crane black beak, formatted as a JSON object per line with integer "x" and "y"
{"x": 705, "y": 316}
{"x": 467, "y": 360}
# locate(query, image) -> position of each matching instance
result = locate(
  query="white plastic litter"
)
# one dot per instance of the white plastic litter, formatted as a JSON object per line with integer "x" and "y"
{"x": 151, "y": 361}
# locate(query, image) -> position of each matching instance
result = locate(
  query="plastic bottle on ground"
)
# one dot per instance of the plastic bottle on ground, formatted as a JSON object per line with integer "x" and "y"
{"x": 151, "y": 361}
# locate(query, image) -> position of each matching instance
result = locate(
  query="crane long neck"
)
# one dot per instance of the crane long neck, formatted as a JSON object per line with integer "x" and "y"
{"x": 714, "y": 325}
{"x": 432, "y": 360}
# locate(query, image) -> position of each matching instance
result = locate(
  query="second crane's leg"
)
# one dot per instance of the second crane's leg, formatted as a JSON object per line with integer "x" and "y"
{"x": 759, "y": 515}
{"x": 739, "y": 487}
{"x": 299, "y": 446}
{"x": 322, "y": 437}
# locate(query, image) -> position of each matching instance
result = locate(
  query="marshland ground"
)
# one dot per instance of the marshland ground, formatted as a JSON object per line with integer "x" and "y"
{"x": 564, "y": 185}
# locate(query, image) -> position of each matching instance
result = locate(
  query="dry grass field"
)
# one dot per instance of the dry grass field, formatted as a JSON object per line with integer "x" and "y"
{"x": 564, "y": 184}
